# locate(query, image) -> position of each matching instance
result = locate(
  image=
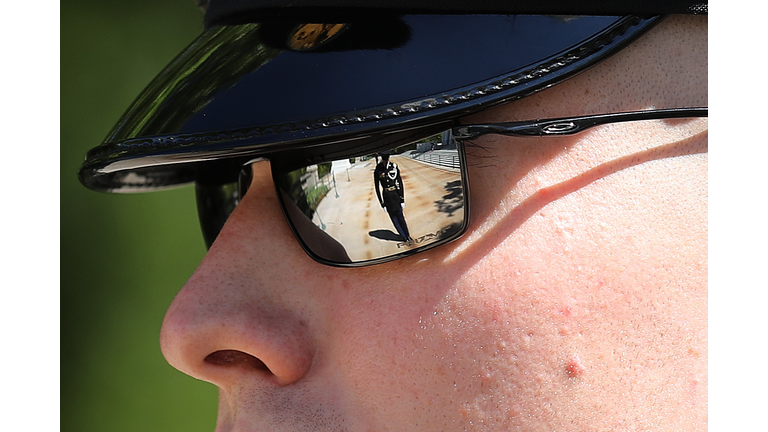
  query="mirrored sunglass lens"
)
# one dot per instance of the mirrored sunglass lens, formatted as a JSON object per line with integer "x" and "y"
{"x": 214, "y": 205}
{"x": 375, "y": 207}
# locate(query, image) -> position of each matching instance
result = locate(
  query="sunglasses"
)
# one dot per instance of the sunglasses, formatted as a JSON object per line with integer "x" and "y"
{"x": 374, "y": 199}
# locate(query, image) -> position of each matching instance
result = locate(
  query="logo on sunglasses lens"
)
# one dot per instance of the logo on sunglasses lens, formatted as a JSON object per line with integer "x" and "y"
{"x": 426, "y": 237}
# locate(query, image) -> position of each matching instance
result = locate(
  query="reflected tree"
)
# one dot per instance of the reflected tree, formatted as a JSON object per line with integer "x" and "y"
{"x": 453, "y": 200}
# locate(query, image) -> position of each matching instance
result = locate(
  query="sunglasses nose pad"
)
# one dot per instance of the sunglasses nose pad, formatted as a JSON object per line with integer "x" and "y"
{"x": 214, "y": 205}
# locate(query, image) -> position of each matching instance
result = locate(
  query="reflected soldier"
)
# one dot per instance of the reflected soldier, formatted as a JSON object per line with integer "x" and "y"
{"x": 392, "y": 194}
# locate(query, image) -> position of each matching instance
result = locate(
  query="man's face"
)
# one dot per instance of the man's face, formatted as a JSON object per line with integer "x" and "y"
{"x": 576, "y": 300}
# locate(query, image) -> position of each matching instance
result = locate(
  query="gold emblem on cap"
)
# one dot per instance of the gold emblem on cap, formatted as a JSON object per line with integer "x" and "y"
{"x": 306, "y": 37}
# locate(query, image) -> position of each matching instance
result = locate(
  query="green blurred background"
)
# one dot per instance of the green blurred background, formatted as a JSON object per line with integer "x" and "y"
{"x": 123, "y": 257}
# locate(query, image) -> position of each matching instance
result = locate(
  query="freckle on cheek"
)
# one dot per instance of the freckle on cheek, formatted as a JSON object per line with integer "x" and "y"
{"x": 573, "y": 367}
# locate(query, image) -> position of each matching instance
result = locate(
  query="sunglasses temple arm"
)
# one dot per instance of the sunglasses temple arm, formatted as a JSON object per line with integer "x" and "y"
{"x": 570, "y": 126}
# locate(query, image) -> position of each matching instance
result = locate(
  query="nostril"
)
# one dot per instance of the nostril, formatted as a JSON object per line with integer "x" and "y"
{"x": 235, "y": 358}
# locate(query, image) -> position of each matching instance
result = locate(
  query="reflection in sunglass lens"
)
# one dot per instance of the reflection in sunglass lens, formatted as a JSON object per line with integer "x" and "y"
{"x": 375, "y": 207}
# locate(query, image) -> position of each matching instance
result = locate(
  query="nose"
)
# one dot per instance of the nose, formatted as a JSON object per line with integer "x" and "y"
{"x": 239, "y": 312}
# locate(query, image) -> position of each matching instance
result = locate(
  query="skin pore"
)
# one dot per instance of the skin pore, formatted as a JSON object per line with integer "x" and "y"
{"x": 576, "y": 301}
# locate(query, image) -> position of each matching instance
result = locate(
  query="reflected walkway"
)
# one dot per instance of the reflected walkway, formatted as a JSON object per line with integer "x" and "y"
{"x": 433, "y": 199}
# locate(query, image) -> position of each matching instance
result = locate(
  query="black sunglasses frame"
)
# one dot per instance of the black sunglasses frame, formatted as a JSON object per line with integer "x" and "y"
{"x": 572, "y": 125}
{"x": 215, "y": 204}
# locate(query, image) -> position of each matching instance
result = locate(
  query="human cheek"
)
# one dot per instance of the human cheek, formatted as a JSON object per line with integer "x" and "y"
{"x": 389, "y": 366}
{"x": 496, "y": 337}
{"x": 447, "y": 353}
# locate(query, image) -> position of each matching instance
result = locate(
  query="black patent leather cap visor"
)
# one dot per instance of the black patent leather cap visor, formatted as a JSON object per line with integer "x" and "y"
{"x": 253, "y": 89}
